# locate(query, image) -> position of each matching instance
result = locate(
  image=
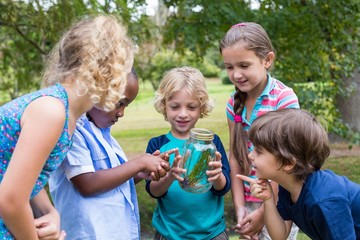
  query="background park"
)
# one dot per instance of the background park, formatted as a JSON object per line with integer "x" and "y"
{"x": 317, "y": 45}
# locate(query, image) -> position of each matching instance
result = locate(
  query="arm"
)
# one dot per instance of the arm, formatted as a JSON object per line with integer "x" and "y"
{"x": 275, "y": 224}
{"x": 157, "y": 189}
{"x": 43, "y": 121}
{"x": 47, "y": 220}
{"x": 215, "y": 175}
{"x": 222, "y": 185}
{"x": 108, "y": 179}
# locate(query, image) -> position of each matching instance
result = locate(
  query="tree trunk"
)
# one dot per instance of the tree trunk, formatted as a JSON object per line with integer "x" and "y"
{"x": 349, "y": 106}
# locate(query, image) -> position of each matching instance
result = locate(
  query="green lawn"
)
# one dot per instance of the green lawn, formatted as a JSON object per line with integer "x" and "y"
{"x": 141, "y": 122}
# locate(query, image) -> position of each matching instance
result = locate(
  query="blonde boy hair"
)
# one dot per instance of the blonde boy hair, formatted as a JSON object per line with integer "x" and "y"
{"x": 183, "y": 79}
{"x": 97, "y": 55}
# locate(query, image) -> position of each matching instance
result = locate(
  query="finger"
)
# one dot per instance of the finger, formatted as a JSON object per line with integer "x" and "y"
{"x": 62, "y": 235}
{"x": 178, "y": 177}
{"x": 155, "y": 176}
{"x": 161, "y": 171}
{"x": 214, "y": 165}
{"x": 165, "y": 155}
{"x": 171, "y": 151}
{"x": 246, "y": 178}
{"x": 218, "y": 156}
{"x": 165, "y": 166}
{"x": 176, "y": 161}
{"x": 152, "y": 176}
{"x": 46, "y": 229}
{"x": 156, "y": 153}
{"x": 39, "y": 223}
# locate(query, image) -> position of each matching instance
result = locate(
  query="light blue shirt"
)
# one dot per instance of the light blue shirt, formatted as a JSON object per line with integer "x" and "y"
{"x": 111, "y": 215}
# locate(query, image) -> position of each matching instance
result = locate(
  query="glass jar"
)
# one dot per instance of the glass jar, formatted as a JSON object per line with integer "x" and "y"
{"x": 197, "y": 152}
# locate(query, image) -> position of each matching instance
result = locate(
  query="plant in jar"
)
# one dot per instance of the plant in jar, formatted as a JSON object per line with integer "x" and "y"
{"x": 198, "y": 151}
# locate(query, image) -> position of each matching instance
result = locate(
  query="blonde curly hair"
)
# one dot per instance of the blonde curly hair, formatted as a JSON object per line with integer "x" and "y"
{"x": 183, "y": 79}
{"x": 97, "y": 55}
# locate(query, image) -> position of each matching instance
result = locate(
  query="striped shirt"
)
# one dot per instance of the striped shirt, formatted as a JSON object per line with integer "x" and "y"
{"x": 276, "y": 95}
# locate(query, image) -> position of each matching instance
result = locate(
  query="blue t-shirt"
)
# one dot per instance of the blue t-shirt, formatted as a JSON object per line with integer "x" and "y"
{"x": 328, "y": 207}
{"x": 183, "y": 215}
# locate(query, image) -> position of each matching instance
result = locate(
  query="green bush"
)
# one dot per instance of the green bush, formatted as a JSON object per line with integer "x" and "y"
{"x": 224, "y": 77}
{"x": 318, "y": 98}
{"x": 166, "y": 59}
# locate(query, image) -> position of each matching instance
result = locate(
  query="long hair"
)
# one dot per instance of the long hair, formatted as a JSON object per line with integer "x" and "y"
{"x": 252, "y": 37}
{"x": 97, "y": 55}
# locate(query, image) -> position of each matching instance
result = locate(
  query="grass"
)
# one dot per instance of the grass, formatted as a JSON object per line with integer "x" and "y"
{"x": 142, "y": 122}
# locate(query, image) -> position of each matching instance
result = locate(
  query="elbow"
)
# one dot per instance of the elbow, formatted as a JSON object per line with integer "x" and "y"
{"x": 10, "y": 205}
{"x": 86, "y": 191}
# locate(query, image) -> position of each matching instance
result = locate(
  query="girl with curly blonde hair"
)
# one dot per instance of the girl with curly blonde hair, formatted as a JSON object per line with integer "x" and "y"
{"x": 87, "y": 68}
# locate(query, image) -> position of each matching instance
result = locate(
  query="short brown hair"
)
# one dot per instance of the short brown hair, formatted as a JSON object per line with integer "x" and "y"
{"x": 292, "y": 136}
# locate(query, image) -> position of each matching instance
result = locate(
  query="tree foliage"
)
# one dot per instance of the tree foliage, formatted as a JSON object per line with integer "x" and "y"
{"x": 29, "y": 30}
{"x": 316, "y": 40}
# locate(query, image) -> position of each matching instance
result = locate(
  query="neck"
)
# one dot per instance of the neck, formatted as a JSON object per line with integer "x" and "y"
{"x": 294, "y": 187}
{"x": 78, "y": 105}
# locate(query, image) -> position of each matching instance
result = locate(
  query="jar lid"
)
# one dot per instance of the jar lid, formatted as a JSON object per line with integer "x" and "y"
{"x": 201, "y": 134}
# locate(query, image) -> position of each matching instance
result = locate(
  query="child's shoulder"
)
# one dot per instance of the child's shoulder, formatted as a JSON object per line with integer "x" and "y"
{"x": 158, "y": 138}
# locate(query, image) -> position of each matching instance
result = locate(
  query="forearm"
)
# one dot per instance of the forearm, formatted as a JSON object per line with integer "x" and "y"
{"x": 237, "y": 186}
{"x": 275, "y": 224}
{"x": 41, "y": 204}
{"x": 220, "y": 183}
{"x": 159, "y": 188}
{"x": 20, "y": 221}
{"x": 106, "y": 179}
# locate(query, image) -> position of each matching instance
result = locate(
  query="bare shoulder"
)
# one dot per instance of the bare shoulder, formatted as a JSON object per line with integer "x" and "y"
{"x": 45, "y": 110}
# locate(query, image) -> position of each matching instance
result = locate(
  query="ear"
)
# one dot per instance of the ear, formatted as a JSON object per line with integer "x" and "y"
{"x": 269, "y": 59}
{"x": 289, "y": 167}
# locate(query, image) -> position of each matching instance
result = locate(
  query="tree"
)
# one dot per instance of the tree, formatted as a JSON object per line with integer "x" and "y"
{"x": 315, "y": 40}
{"x": 29, "y": 30}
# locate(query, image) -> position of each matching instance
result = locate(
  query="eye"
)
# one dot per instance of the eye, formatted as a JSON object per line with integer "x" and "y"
{"x": 258, "y": 150}
{"x": 193, "y": 107}
{"x": 173, "y": 107}
{"x": 119, "y": 104}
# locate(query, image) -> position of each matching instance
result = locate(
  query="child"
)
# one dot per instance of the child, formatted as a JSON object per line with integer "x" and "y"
{"x": 290, "y": 147}
{"x": 88, "y": 67}
{"x": 248, "y": 54}
{"x": 182, "y": 98}
{"x": 96, "y": 175}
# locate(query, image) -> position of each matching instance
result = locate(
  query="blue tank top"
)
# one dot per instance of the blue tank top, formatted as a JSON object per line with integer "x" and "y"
{"x": 10, "y": 115}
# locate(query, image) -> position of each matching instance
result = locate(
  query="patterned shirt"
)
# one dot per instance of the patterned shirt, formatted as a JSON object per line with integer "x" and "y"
{"x": 276, "y": 95}
{"x": 10, "y": 116}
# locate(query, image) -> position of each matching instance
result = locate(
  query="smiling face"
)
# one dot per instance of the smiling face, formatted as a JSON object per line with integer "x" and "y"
{"x": 265, "y": 163}
{"x": 245, "y": 69}
{"x": 182, "y": 111}
{"x": 103, "y": 119}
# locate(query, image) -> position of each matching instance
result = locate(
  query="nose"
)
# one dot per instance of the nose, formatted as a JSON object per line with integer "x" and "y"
{"x": 251, "y": 157}
{"x": 120, "y": 113}
{"x": 237, "y": 73}
{"x": 183, "y": 112}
